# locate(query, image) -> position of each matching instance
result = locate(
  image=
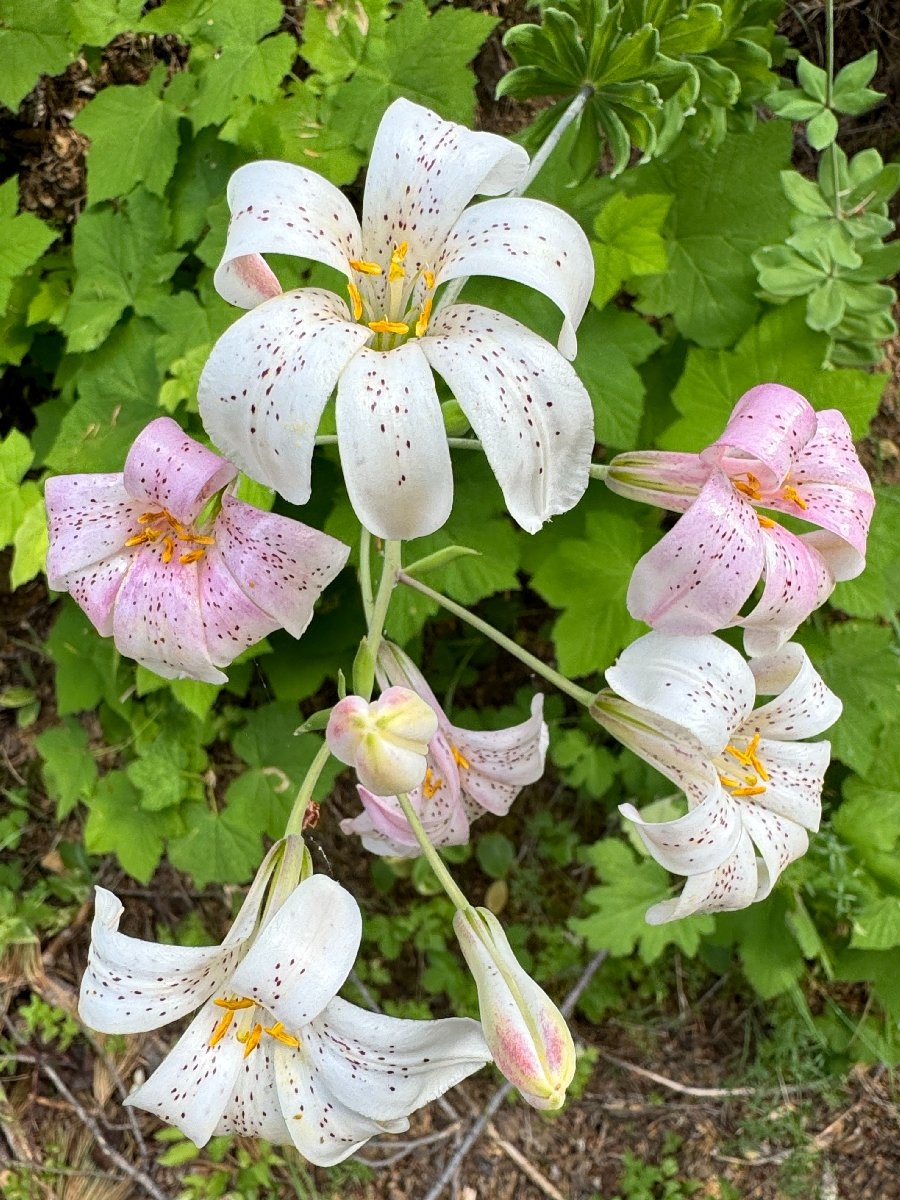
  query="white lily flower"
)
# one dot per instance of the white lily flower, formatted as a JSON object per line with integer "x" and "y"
{"x": 266, "y": 383}
{"x": 273, "y": 1052}
{"x": 686, "y": 705}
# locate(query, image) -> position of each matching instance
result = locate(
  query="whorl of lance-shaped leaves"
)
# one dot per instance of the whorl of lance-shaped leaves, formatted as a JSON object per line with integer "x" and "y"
{"x": 655, "y": 66}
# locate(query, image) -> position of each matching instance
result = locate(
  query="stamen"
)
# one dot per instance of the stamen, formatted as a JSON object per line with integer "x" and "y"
{"x": 277, "y": 1031}
{"x": 790, "y": 493}
{"x": 386, "y": 326}
{"x": 430, "y": 784}
{"x": 428, "y": 276}
{"x": 766, "y": 522}
{"x": 424, "y": 317}
{"x": 201, "y": 539}
{"x": 139, "y": 539}
{"x": 459, "y": 759}
{"x": 151, "y": 516}
{"x": 741, "y": 755}
{"x": 356, "y": 300}
{"x": 748, "y": 791}
{"x": 250, "y": 1039}
{"x": 192, "y": 556}
{"x": 234, "y": 1004}
{"x": 168, "y": 548}
{"x": 222, "y": 1028}
{"x": 367, "y": 268}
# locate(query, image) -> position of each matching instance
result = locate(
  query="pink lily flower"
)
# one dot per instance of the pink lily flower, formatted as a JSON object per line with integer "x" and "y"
{"x": 775, "y": 454}
{"x": 182, "y": 579}
{"x": 468, "y": 773}
{"x": 269, "y": 377}
{"x": 686, "y": 705}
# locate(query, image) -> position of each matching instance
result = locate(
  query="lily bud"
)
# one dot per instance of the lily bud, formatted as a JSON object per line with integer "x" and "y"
{"x": 385, "y": 740}
{"x": 527, "y": 1034}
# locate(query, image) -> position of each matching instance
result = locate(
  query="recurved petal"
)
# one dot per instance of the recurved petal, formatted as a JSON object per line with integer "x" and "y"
{"x": 231, "y": 621}
{"x": 795, "y": 772}
{"x": 497, "y": 764}
{"x": 665, "y": 478}
{"x": 90, "y": 518}
{"x": 254, "y": 1108}
{"x": 797, "y": 582}
{"x": 386, "y": 1068}
{"x": 779, "y": 842}
{"x": 158, "y": 618}
{"x": 195, "y": 1082}
{"x": 530, "y": 242}
{"x": 699, "y": 683}
{"x": 282, "y": 565}
{"x": 392, "y": 443}
{"x": 422, "y": 173}
{"x": 302, "y": 956}
{"x": 803, "y": 704}
{"x": 277, "y": 207}
{"x": 322, "y": 1128}
{"x": 526, "y": 404}
{"x": 95, "y": 589}
{"x": 697, "y": 577}
{"x": 382, "y": 827}
{"x": 131, "y": 985}
{"x": 669, "y": 746}
{"x": 766, "y": 431}
{"x": 696, "y": 843}
{"x": 733, "y": 885}
{"x": 267, "y": 380}
{"x": 167, "y": 469}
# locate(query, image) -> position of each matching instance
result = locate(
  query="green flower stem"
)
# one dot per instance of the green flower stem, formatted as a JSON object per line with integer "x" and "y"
{"x": 829, "y": 95}
{"x": 295, "y": 820}
{"x": 365, "y": 573}
{"x": 550, "y": 143}
{"x": 437, "y": 863}
{"x": 572, "y": 113}
{"x": 599, "y": 470}
{"x": 390, "y": 567}
{"x": 540, "y": 668}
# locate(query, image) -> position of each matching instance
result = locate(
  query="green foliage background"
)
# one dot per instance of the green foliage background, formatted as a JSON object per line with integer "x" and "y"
{"x": 698, "y": 208}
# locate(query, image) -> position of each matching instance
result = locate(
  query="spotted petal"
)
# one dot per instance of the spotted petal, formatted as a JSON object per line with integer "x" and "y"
{"x": 167, "y": 469}
{"x": 733, "y": 885}
{"x": 422, "y": 173}
{"x": 795, "y": 772}
{"x": 766, "y": 431}
{"x": 803, "y": 706}
{"x": 526, "y": 404}
{"x": 303, "y": 955}
{"x": 280, "y": 208}
{"x": 668, "y": 479}
{"x": 281, "y": 565}
{"x": 90, "y": 518}
{"x": 797, "y": 582}
{"x": 96, "y": 588}
{"x": 158, "y": 619}
{"x": 696, "y": 843}
{"x": 700, "y": 684}
{"x": 502, "y": 761}
{"x": 393, "y": 444}
{"x": 131, "y": 985}
{"x": 267, "y": 380}
{"x": 779, "y": 842}
{"x": 696, "y": 578}
{"x": 530, "y": 242}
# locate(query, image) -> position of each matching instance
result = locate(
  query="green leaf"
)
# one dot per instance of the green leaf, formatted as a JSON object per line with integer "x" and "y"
{"x": 85, "y": 663}
{"x": 134, "y": 139}
{"x": 97, "y": 22}
{"x": 69, "y": 768}
{"x": 860, "y": 665}
{"x": 812, "y": 79}
{"x": 496, "y": 855}
{"x": 123, "y": 259}
{"x": 31, "y": 539}
{"x": 615, "y": 387}
{"x": 582, "y": 762}
{"x": 588, "y": 636}
{"x": 772, "y": 959}
{"x": 33, "y": 42}
{"x": 267, "y": 742}
{"x": 398, "y": 60}
{"x": 728, "y": 202}
{"x": 780, "y": 347}
{"x": 822, "y": 130}
{"x": 629, "y": 229}
{"x": 220, "y": 847}
{"x": 631, "y": 887}
{"x": 874, "y": 593}
{"x": 158, "y": 774}
{"x": 877, "y": 925}
{"x": 117, "y": 824}
{"x": 23, "y": 239}
{"x": 15, "y": 458}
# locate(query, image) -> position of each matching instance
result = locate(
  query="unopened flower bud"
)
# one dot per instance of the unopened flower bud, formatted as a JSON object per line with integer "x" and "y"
{"x": 527, "y": 1034}
{"x": 385, "y": 740}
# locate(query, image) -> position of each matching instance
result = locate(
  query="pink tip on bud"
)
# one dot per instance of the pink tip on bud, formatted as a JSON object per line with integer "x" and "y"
{"x": 384, "y": 740}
